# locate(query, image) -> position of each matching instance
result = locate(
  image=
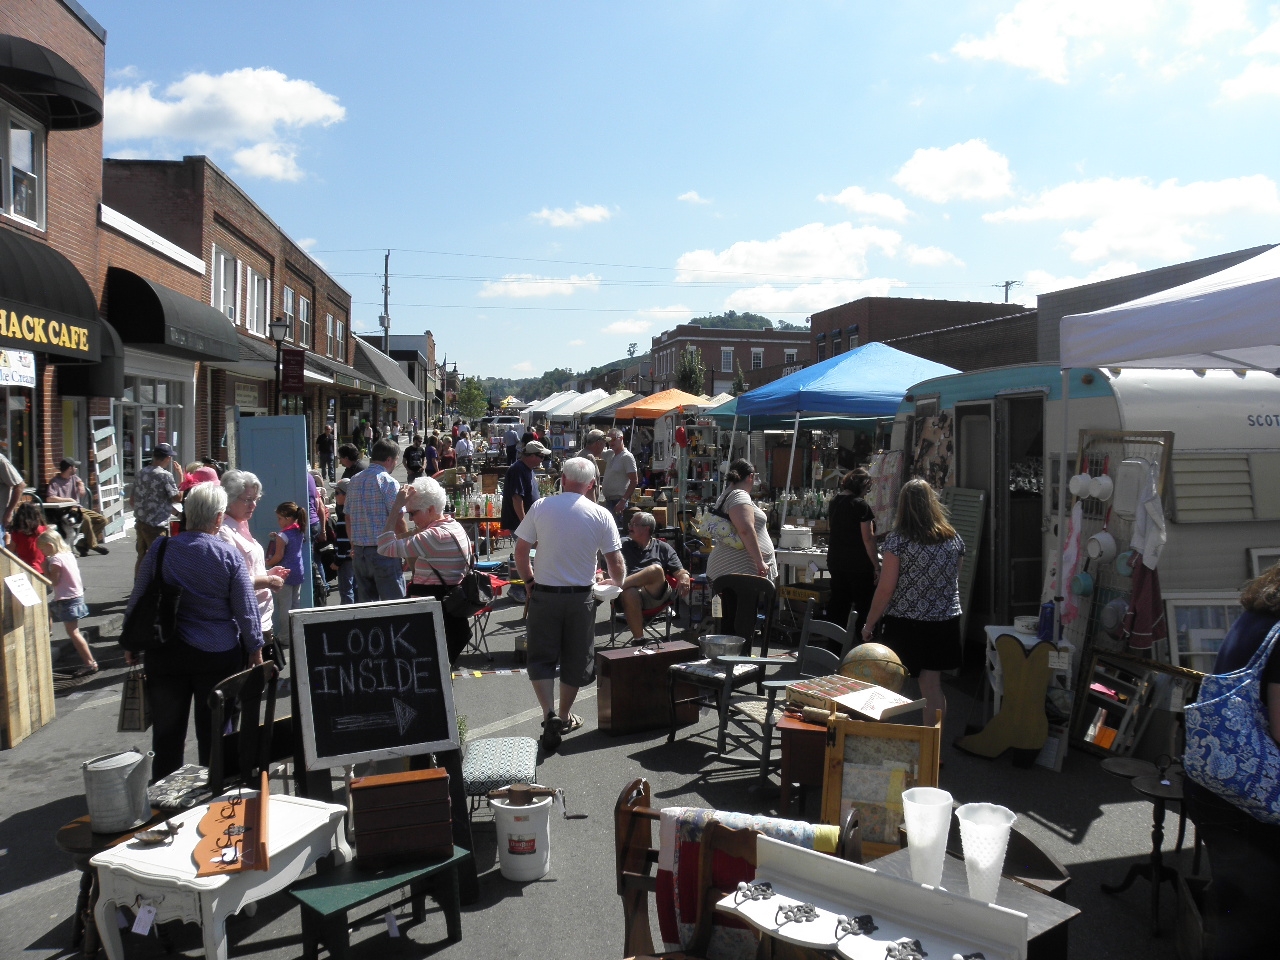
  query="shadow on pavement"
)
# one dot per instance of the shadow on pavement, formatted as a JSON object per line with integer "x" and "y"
{"x": 28, "y": 837}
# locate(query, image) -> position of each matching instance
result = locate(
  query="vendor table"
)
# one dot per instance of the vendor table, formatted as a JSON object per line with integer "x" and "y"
{"x": 1047, "y": 918}
{"x": 788, "y": 559}
{"x": 472, "y": 526}
{"x": 132, "y": 875}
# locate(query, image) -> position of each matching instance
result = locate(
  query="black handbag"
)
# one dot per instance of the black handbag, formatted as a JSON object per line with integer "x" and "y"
{"x": 471, "y": 594}
{"x": 153, "y": 622}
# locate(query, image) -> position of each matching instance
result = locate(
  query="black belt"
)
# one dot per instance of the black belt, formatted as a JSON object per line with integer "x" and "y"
{"x": 545, "y": 589}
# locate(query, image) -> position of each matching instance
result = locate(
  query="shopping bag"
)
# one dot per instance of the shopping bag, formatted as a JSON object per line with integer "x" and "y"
{"x": 135, "y": 712}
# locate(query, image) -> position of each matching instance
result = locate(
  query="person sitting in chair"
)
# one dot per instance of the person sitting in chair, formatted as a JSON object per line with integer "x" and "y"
{"x": 649, "y": 561}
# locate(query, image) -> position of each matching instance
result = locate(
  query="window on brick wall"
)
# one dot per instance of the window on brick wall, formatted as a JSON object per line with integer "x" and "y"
{"x": 257, "y": 301}
{"x": 822, "y": 352}
{"x": 225, "y": 274}
{"x": 328, "y": 335}
{"x": 835, "y": 346}
{"x": 726, "y": 359}
{"x": 788, "y": 356}
{"x": 341, "y": 336}
{"x": 757, "y": 358}
{"x": 290, "y": 310}
{"x": 22, "y": 166}
{"x": 304, "y": 323}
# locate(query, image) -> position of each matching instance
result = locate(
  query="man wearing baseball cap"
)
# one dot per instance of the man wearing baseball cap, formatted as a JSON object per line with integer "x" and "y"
{"x": 155, "y": 491}
{"x": 66, "y": 487}
{"x": 520, "y": 487}
{"x": 593, "y": 445}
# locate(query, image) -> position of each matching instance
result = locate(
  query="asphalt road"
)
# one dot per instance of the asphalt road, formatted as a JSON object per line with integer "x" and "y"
{"x": 1091, "y": 822}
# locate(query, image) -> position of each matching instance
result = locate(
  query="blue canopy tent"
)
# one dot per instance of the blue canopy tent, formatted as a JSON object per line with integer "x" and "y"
{"x": 868, "y": 381}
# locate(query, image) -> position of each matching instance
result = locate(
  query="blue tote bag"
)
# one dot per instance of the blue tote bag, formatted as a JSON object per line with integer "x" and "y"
{"x": 1229, "y": 747}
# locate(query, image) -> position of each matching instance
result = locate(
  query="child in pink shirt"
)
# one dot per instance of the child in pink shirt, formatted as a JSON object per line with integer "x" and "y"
{"x": 67, "y": 606}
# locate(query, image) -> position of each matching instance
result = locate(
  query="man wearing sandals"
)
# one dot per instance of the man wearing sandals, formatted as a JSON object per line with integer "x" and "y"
{"x": 568, "y": 529}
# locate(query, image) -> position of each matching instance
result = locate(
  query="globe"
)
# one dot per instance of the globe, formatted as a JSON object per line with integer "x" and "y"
{"x": 874, "y": 663}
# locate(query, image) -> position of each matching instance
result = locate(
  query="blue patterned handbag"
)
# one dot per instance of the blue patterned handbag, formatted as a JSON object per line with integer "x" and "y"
{"x": 1229, "y": 747}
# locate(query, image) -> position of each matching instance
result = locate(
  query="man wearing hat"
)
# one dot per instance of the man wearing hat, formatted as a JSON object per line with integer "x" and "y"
{"x": 593, "y": 445}
{"x": 66, "y": 487}
{"x": 520, "y": 488}
{"x": 154, "y": 493}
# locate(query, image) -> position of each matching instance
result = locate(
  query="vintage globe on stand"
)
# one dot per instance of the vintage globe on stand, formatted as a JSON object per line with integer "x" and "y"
{"x": 874, "y": 663}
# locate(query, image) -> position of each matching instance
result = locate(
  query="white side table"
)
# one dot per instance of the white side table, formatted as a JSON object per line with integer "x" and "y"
{"x": 301, "y": 831}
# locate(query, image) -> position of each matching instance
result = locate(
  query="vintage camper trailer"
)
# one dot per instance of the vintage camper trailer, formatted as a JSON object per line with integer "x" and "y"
{"x": 1001, "y": 431}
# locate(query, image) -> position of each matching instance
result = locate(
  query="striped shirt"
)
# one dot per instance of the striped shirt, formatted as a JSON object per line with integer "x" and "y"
{"x": 440, "y": 545}
{"x": 369, "y": 498}
{"x": 218, "y": 610}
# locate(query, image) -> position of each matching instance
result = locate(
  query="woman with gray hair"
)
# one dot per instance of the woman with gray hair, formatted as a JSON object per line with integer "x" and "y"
{"x": 439, "y": 550}
{"x": 244, "y": 490}
{"x": 219, "y": 627}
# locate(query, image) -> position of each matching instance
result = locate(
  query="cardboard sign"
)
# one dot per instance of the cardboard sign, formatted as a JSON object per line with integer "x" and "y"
{"x": 22, "y": 590}
{"x": 373, "y": 681}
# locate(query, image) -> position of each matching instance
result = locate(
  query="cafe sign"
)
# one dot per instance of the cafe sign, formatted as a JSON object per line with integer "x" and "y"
{"x": 17, "y": 368}
{"x": 48, "y": 332}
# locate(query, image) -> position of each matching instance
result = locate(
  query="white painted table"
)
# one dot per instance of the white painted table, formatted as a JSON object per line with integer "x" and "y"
{"x": 132, "y": 875}
{"x": 790, "y": 559}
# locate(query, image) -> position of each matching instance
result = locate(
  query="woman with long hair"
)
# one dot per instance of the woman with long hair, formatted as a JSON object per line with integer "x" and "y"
{"x": 853, "y": 559}
{"x": 917, "y": 601}
{"x": 739, "y": 535}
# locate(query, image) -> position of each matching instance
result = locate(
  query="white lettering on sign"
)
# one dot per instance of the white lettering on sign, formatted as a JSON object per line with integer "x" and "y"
{"x": 364, "y": 671}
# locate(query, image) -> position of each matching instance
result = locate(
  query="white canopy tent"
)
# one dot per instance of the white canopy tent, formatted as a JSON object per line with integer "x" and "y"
{"x": 1228, "y": 320}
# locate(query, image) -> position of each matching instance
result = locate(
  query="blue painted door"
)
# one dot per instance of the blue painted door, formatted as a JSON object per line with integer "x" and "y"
{"x": 275, "y": 449}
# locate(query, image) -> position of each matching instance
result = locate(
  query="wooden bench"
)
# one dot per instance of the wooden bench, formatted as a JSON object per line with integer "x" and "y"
{"x": 327, "y": 897}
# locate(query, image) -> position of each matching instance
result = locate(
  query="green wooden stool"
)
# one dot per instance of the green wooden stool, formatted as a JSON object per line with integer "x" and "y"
{"x": 326, "y": 898}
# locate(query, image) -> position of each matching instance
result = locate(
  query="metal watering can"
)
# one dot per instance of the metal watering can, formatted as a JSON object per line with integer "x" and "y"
{"x": 115, "y": 787}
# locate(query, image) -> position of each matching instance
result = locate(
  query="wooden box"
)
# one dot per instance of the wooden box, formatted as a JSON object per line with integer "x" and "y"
{"x": 26, "y": 664}
{"x": 633, "y": 691}
{"x": 660, "y": 515}
{"x": 401, "y": 816}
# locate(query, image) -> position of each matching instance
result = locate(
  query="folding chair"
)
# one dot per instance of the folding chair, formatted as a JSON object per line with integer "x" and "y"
{"x": 480, "y": 622}
{"x": 670, "y": 605}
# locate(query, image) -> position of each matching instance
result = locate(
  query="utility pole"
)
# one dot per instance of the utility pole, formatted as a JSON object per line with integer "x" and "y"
{"x": 385, "y": 322}
{"x": 1007, "y": 284}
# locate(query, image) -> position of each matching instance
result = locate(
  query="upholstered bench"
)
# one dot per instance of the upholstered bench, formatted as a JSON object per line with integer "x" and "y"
{"x": 496, "y": 762}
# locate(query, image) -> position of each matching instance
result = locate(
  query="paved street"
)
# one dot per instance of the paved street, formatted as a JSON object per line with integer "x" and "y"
{"x": 1091, "y": 822}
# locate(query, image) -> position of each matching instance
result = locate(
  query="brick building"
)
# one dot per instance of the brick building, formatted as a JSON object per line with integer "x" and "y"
{"x": 416, "y": 357}
{"x": 842, "y": 328}
{"x": 995, "y": 342}
{"x": 723, "y": 351}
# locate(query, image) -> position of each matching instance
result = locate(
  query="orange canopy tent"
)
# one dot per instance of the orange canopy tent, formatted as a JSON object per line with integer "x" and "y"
{"x": 651, "y": 408}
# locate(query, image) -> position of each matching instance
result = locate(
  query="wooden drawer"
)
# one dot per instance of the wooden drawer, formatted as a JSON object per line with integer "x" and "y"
{"x": 633, "y": 692}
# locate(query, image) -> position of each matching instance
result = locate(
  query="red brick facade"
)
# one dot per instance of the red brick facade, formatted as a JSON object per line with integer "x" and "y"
{"x": 723, "y": 351}
{"x": 849, "y": 325}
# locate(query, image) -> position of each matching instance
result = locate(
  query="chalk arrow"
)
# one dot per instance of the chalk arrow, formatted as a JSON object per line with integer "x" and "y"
{"x": 404, "y": 714}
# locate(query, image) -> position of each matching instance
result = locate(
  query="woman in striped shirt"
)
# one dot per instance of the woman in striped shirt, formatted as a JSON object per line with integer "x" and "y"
{"x": 439, "y": 549}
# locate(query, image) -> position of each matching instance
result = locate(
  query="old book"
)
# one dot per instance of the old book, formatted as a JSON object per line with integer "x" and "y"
{"x": 850, "y": 696}
{"x": 878, "y": 703}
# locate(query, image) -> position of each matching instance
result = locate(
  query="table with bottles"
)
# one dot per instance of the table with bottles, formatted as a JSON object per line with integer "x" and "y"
{"x": 479, "y": 513}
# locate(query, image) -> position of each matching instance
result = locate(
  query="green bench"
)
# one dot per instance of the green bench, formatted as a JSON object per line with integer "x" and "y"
{"x": 327, "y": 897}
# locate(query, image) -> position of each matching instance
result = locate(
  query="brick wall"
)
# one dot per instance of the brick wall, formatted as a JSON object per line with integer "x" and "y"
{"x": 667, "y": 346}
{"x": 997, "y": 342}
{"x": 883, "y": 318}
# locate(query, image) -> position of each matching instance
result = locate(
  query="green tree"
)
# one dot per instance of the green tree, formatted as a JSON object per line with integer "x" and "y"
{"x": 472, "y": 401}
{"x": 691, "y": 375}
{"x": 739, "y": 382}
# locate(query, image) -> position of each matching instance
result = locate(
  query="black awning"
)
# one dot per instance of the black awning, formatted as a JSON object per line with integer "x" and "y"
{"x": 41, "y": 76}
{"x": 45, "y": 304}
{"x": 149, "y": 314}
{"x": 103, "y": 379}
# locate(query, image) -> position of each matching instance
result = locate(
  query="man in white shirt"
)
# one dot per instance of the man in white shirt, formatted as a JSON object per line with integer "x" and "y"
{"x": 464, "y": 451}
{"x": 620, "y": 475}
{"x": 568, "y": 530}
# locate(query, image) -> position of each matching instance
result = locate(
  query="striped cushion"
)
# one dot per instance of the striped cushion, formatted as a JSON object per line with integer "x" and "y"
{"x": 497, "y": 762}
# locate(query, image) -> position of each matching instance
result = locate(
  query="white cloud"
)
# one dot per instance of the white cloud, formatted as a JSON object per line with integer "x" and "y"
{"x": 628, "y": 327}
{"x": 127, "y": 72}
{"x": 273, "y": 161}
{"x": 1042, "y": 281}
{"x": 963, "y": 171}
{"x": 1258, "y": 79}
{"x": 807, "y": 297}
{"x": 857, "y": 200}
{"x": 1047, "y": 37}
{"x": 249, "y": 112}
{"x": 579, "y": 215}
{"x": 1210, "y": 19}
{"x": 577, "y": 343}
{"x": 1267, "y": 42}
{"x": 1134, "y": 217}
{"x": 814, "y": 251}
{"x": 932, "y": 257}
{"x": 524, "y": 285}
{"x": 524, "y": 366}
{"x": 307, "y": 243}
{"x": 691, "y": 196}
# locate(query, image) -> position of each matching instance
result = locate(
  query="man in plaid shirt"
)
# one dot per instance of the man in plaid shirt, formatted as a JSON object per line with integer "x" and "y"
{"x": 370, "y": 496}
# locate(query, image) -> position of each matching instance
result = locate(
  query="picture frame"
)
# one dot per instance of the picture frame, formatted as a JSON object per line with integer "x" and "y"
{"x": 868, "y": 765}
{"x": 1262, "y": 559}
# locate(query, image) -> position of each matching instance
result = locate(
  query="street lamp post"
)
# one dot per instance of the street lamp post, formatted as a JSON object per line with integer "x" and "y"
{"x": 279, "y": 333}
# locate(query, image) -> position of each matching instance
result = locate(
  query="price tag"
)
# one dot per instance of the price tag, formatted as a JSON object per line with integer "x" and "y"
{"x": 716, "y": 607}
{"x": 1060, "y": 660}
{"x": 393, "y": 929}
{"x": 146, "y": 916}
{"x": 22, "y": 590}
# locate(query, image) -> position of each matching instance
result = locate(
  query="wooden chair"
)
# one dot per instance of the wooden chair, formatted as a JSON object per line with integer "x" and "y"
{"x": 717, "y": 679}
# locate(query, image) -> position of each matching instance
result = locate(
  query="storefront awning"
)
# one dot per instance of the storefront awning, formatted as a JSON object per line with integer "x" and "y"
{"x": 45, "y": 304}
{"x": 148, "y": 314}
{"x": 41, "y": 76}
{"x": 103, "y": 379}
{"x": 376, "y": 365}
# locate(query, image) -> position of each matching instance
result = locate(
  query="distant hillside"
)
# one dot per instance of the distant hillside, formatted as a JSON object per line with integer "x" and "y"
{"x": 731, "y": 320}
{"x": 535, "y": 388}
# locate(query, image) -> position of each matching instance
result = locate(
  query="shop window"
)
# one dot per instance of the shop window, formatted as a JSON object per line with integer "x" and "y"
{"x": 304, "y": 322}
{"x": 257, "y": 301}
{"x": 289, "y": 310}
{"x": 726, "y": 360}
{"x": 226, "y": 272}
{"x": 757, "y": 358}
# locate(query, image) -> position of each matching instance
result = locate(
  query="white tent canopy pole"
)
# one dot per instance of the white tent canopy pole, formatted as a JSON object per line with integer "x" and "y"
{"x": 1060, "y": 594}
{"x": 733, "y": 435}
{"x": 791, "y": 463}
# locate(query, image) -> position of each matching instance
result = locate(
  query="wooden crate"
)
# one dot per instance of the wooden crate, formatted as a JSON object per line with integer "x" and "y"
{"x": 26, "y": 695}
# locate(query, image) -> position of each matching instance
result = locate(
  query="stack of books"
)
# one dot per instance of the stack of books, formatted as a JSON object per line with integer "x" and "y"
{"x": 851, "y": 696}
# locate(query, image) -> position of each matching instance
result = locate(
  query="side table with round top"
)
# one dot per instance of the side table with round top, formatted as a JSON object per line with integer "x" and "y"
{"x": 79, "y": 840}
{"x": 1160, "y": 790}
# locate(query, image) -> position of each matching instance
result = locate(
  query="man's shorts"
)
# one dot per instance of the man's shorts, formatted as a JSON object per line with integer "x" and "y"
{"x": 562, "y": 631}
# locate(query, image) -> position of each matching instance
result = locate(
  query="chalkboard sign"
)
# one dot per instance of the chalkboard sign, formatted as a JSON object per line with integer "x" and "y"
{"x": 373, "y": 681}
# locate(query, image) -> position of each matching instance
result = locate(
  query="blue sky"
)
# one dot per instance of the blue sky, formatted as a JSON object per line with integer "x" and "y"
{"x": 559, "y": 180}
